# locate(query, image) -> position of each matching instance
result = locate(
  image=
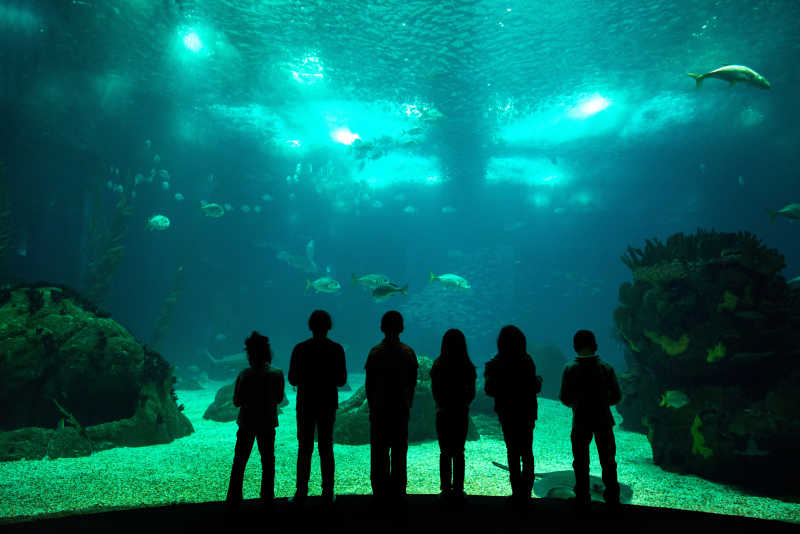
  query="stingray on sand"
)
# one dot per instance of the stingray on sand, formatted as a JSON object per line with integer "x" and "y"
{"x": 560, "y": 484}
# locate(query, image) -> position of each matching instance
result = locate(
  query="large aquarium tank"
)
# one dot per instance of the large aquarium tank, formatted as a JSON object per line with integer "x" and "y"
{"x": 177, "y": 174}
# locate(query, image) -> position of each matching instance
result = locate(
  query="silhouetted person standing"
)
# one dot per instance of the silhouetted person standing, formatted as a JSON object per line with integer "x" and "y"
{"x": 589, "y": 386}
{"x": 391, "y": 378}
{"x": 511, "y": 379}
{"x": 453, "y": 386}
{"x": 317, "y": 368}
{"x": 257, "y": 393}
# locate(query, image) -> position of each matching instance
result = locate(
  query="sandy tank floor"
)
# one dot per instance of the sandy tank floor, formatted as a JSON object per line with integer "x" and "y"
{"x": 196, "y": 469}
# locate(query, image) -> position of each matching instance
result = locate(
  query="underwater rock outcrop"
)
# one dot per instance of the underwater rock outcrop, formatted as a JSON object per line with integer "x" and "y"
{"x": 712, "y": 335}
{"x": 352, "y": 417}
{"x": 74, "y": 381}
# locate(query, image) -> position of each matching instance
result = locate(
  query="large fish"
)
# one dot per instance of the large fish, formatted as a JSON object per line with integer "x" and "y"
{"x": 732, "y": 74}
{"x": 325, "y": 284}
{"x": 370, "y": 281}
{"x": 452, "y": 281}
{"x": 561, "y": 484}
{"x": 387, "y": 290}
{"x": 790, "y": 211}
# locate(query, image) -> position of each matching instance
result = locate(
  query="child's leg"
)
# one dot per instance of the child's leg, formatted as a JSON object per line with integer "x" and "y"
{"x": 581, "y": 438}
{"x": 266, "y": 447}
{"x": 526, "y": 484}
{"x": 459, "y": 439}
{"x": 606, "y": 450}
{"x": 511, "y": 435}
{"x": 445, "y": 459}
{"x": 244, "y": 444}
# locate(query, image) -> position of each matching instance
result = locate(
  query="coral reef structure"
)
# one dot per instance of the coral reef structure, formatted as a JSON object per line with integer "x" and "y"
{"x": 712, "y": 326}
{"x": 74, "y": 381}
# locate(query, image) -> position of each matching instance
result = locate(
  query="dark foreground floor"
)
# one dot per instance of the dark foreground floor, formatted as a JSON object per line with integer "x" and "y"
{"x": 422, "y": 513}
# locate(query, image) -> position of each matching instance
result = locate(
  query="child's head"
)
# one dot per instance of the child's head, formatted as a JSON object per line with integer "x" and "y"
{"x": 258, "y": 350}
{"x": 392, "y": 323}
{"x": 584, "y": 343}
{"x": 320, "y": 322}
{"x": 511, "y": 341}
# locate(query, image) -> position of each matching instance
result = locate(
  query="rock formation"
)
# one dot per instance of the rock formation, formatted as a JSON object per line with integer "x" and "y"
{"x": 74, "y": 381}
{"x": 712, "y": 335}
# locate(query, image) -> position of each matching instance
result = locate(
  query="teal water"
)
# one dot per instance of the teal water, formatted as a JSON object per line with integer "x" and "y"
{"x": 520, "y": 145}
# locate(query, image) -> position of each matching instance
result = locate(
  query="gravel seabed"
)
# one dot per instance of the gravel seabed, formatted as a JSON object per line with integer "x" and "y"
{"x": 196, "y": 469}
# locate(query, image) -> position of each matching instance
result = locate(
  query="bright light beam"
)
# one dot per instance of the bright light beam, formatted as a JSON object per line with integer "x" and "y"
{"x": 589, "y": 106}
{"x": 192, "y": 42}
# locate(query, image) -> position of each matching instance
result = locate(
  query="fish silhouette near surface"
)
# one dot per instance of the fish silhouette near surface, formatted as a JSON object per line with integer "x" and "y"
{"x": 732, "y": 74}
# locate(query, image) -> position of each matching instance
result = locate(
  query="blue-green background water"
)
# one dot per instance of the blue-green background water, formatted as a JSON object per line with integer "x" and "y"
{"x": 515, "y": 181}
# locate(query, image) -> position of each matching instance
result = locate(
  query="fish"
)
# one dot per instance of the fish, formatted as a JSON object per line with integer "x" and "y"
{"x": 450, "y": 280}
{"x": 561, "y": 484}
{"x": 232, "y": 362}
{"x": 325, "y": 284}
{"x": 732, "y": 74}
{"x": 300, "y": 263}
{"x": 158, "y": 222}
{"x": 212, "y": 209}
{"x": 794, "y": 282}
{"x": 674, "y": 398}
{"x": 417, "y": 130}
{"x": 387, "y": 290}
{"x": 370, "y": 281}
{"x": 790, "y": 211}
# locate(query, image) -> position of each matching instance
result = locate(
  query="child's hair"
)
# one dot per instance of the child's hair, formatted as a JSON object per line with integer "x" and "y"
{"x": 454, "y": 348}
{"x": 258, "y": 349}
{"x": 511, "y": 341}
{"x": 320, "y": 321}
{"x": 584, "y": 339}
{"x": 392, "y": 322}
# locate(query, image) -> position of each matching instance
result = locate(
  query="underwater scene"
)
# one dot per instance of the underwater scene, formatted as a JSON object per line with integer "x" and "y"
{"x": 176, "y": 174}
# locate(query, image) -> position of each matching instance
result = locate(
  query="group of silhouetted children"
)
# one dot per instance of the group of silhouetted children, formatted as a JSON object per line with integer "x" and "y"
{"x": 317, "y": 368}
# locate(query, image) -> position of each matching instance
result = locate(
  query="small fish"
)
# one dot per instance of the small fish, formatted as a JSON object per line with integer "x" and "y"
{"x": 448, "y": 209}
{"x": 212, "y": 210}
{"x": 325, "y": 284}
{"x": 450, "y": 280}
{"x": 178, "y": 197}
{"x": 732, "y": 74}
{"x": 794, "y": 282}
{"x": 417, "y": 130}
{"x": 790, "y": 211}
{"x": 385, "y": 291}
{"x": 674, "y": 399}
{"x": 158, "y": 222}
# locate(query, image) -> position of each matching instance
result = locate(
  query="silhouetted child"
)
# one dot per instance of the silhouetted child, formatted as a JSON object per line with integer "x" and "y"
{"x": 589, "y": 386}
{"x": 511, "y": 379}
{"x": 453, "y": 386}
{"x": 257, "y": 393}
{"x": 391, "y": 378}
{"x": 317, "y": 368}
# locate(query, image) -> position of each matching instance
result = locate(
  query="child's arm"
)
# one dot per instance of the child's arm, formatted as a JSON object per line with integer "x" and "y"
{"x": 237, "y": 398}
{"x": 341, "y": 368}
{"x": 281, "y": 383}
{"x": 614, "y": 393}
{"x": 293, "y": 378}
{"x": 566, "y": 395}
